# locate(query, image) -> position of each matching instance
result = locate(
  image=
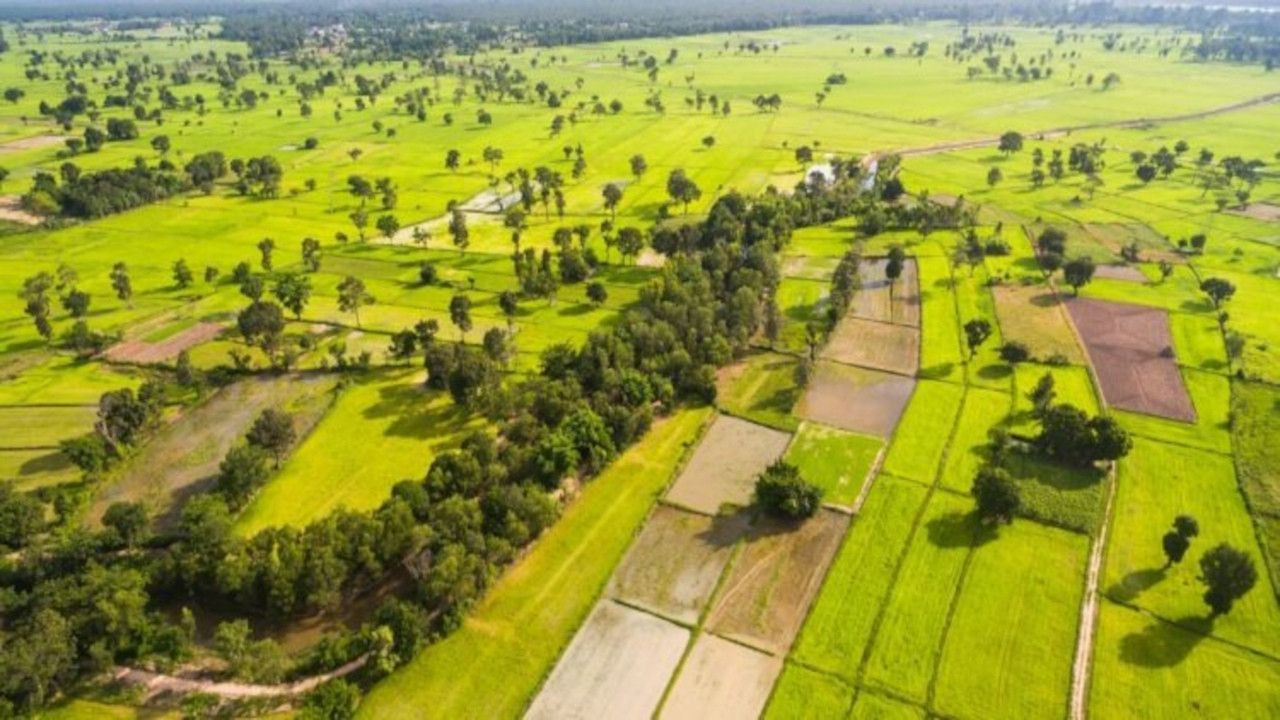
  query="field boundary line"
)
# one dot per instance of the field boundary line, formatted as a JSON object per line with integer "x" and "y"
{"x": 1081, "y": 669}
{"x": 1207, "y": 636}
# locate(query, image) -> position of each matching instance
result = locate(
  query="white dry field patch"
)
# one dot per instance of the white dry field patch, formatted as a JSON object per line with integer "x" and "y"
{"x": 617, "y": 667}
{"x": 34, "y": 142}
{"x": 724, "y": 468}
{"x": 675, "y": 561}
{"x": 721, "y": 679}
{"x": 11, "y": 209}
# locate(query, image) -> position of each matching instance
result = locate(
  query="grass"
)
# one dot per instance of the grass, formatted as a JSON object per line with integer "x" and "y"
{"x": 803, "y": 694}
{"x": 762, "y": 388}
{"x": 842, "y": 618}
{"x": 921, "y": 437}
{"x": 1071, "y": 383}
{"x": 1147, "y": 669}
{"x": 1255, "y": 412}
{"x": 941, "y": 352}
{"x": 1060, "y": 495}
{"x": 381, "y": 430}
{"x": 493, "y": 664}
{"x": 870, "y": 706}
{"x": 1158, "y": 481}
{"x": 1014, "y": 629}
{"x": 983, "y": 410}
{"x": 905, "y": 653}
{"x": 834, "y": 460}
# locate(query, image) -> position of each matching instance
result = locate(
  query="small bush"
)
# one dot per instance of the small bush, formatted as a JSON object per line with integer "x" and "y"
{"x": 781, "y": 491}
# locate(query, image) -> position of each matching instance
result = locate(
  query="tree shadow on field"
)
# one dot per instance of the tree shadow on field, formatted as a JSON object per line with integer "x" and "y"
{"x": 1044, "y": 300}
{"x": 1135, "y": 583}
{"x": 934, "y": 372}
{"x": 995, "y": 371}
{"x": 960, "y": 530}
{"x": 1162, "y": 644}
{"x": 49, "y": 462}
{"x": 726, "y": 528}
{"x": 415, "y": 416}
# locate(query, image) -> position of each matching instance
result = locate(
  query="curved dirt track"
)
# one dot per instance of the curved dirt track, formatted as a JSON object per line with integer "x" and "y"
{"x": 154, "y": 684}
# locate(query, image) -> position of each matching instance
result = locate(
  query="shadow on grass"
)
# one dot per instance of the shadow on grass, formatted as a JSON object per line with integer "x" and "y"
{"x": 960, "y": 530}
{"x": 936, "y": 372}
{"x": 415, "y": 416}
{"x": 49, "y": 462}
{"x": 1162, "y": 644}
{"x": 1136, "y": 583}
{"x": 995, "y": 371}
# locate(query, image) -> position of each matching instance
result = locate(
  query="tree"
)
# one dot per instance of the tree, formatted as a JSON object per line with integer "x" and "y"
{"x": 1078, "y": 272}
{"x": 452, "y": 159}
{"x": 597, "y": 293}
{"x": 120, "y": 282}
{"x": 509, "y": 303}
{"x": 128, "y": 520}
{"x": 458, "y": 230}
{"x": 160, "y": 144}
{"x": 1228, "y": 574}
{"x": 241, "y": 472}
{"x": 996, "y": 495}
{"x": 1014, "y": 352}
{"x": 893, "y": 267}
{"x": 1177, "y": 540}
{"x": 709, "y": 141}
{"x": 1010, "y": 142}
{"x": 1218, "y": 290}
{"x": 266, "y": 246}
{"x": 681, "y": 189}
{"x": 334, "y": 700}
{"x": 182, "y": 275}
{"x": 1146, "y": 173}
{"x": 273, "y": 432}
{"x": 781, "y": 491}
{"x": 76, "y": 303}
{"x": 360, "y": 219}
{"x": 1069, "y": 435}
{"x": 311, "y": 254}
{"x": 35, "y": 293}
{"x": 994, "y": 176}
{"x": 460, "y": 314}
{"x": 352, "y": 296}
{"x": 612, "y": 196}
{"x": 496, "y": 346}
{"x": 1042, "y": 395}
{"x": 262, "y": 324}
{"x": 21, "y": 516}
{"x": 638, "y": 166}
{"x": 388, "y": 225}
{"x": 976, "y": 332}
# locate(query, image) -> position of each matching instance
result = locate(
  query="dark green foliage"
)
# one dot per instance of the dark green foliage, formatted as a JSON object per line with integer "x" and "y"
{"x": 996, "y": 495}
{"x": 782, "y": 492}
{"x": 1228, "y": 574}
{"x": 1069, "y": 435}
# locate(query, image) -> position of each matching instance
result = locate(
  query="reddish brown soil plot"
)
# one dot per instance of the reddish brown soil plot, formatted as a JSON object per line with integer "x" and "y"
{"x": 723, "y": 469}
{"x": 767, "y": 593}
{"x": 142, "y": 352}
{"x": 1132, "y": 353}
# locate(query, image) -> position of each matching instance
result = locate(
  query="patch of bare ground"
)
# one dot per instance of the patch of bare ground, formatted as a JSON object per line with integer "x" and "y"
{"x": 33, "y": 142}
{"x": 182, "y": 457}
{"x": 721, "y": 679}
{"x": 1033, "y": 315}
{"x": 11, "y": 210}
{"x": 879, "y": 345}
{"x": 724, "y": 467}
{"x": 616, "y": 667}
{"x": 1124, "y": 273}
{"x": 876, "y": 301}
{"x": 1131, "y": 349}
{"x": 141, "y": 352}
{"x": 674, "y": 563}
{"x": 766, "y": 596}
{"x": 1259, "y": 211}
{"x": 855, "y": 399}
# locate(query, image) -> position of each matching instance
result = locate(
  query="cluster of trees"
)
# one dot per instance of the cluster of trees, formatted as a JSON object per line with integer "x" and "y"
{"x": 1227, "y": 572}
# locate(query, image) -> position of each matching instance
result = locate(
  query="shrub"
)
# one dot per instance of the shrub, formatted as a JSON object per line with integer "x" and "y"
{"x": 1014, "y": 352}
{"x": 781, "y": 491}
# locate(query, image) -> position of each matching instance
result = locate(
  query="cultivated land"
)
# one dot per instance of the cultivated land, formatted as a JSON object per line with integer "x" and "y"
{"x": 655, "y": 590}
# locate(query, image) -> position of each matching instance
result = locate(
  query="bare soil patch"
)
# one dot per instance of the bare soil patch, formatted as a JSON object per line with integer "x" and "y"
{"x": 616, "y": 667}
{"x": 1259, "y": 211}
{"x": 1033, "y": 316}
{"x": 856, "y": 399}
{"x": 142, "y": 352}
{"x": 1125, "y": 273}
{"x": 31, "y": 143}
{"x": 673, "y": 565}
{"x": 873, "y": 301}
{"x": 182, "y": 458}
{"x": 1132, "y": 353}
{"x": 721, "y": 679}
{"x": 723, "y": 469}
{"x": 879, "y": 345}
{"x": 767, "y": 594}
{"x": 11, "y": 209}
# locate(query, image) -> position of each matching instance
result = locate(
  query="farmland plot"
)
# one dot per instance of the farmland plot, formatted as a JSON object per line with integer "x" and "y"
{"x": 723, "y": 469}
